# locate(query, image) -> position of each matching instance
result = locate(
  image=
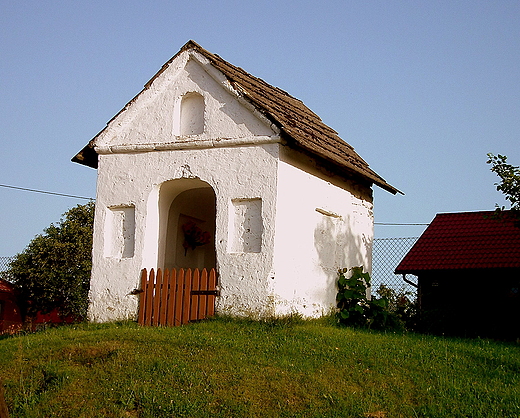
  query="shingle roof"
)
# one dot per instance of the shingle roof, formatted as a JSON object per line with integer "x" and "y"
{"x": 468, "y": 240}
{"x": 300, "y": 126}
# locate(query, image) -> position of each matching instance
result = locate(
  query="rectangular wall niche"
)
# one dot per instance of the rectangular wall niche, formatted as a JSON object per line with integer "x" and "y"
{"x": 120, "y": 232}
{"x": 246, "y": 226}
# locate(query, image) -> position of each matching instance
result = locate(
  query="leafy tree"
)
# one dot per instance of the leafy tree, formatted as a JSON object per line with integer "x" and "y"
{"x": 54, "y": 270}
{"x": 509, "y": 183}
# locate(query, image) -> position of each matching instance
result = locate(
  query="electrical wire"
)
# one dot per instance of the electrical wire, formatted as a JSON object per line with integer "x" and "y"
{"x": 45, "y": 192}
{"x": 90, "y": 198}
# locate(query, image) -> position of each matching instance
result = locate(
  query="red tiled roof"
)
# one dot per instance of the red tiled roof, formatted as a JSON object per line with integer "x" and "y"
{"x": 6, "y": 286}
{"x": 468, "y": 240}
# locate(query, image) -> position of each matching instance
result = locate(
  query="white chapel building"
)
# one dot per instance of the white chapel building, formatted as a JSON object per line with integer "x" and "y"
{"x": 211, "y": 167}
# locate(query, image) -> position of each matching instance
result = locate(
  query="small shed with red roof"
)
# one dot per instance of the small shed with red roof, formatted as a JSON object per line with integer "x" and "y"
{"x": 468, "y": 273}
{"x": 10, "y": 316}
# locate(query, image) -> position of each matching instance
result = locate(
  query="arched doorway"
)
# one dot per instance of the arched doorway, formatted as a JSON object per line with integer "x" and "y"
{"x": 187, "y": 211}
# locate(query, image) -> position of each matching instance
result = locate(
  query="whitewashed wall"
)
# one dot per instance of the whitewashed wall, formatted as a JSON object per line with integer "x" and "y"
{"x": 245, "y": 174}
{"x": 282, "y": 227}
{"x": 323, "y": 223}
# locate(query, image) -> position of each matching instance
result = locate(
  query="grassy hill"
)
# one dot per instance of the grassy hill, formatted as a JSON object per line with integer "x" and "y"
{"x": 239, "y": 368}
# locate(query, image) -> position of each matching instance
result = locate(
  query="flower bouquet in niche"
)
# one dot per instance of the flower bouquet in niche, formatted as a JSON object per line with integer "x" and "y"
{"x": 194, "y": 236}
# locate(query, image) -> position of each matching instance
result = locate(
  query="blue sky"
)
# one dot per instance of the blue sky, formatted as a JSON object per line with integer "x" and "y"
{"x": 422, "y": 90}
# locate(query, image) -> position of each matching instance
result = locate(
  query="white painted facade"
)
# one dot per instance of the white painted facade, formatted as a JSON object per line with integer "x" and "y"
{"x": 189, "y": 149}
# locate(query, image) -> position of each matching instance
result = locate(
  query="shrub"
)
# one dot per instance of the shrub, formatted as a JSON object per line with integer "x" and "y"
{"x": 357, "y": 309}
{"x": 402, "y": 305}
{"x": 53, "y": 272}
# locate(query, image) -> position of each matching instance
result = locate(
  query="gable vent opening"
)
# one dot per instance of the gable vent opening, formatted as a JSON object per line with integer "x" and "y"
{"x": 191, "y": 114}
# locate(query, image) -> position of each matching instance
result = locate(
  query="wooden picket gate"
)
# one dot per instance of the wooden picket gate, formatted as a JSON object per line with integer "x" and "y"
{"x": 176, "y": 297}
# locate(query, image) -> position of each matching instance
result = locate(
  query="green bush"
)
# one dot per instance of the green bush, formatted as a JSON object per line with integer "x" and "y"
{"x": 53, "y": 272}
{"x": 391, "y": 311}
{"x": 402, "y": 305}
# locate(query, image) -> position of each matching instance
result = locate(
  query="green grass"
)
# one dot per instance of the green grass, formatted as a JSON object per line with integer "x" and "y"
{"x": 240, "y": 368}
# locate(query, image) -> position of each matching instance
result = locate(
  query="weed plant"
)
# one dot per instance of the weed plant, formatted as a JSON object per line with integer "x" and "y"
{"x": 242, "y": 368}
{"x": 392, "y": 311}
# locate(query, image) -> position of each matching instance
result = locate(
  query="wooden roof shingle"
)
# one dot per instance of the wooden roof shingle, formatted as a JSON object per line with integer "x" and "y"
{"x": 300, "y": 126}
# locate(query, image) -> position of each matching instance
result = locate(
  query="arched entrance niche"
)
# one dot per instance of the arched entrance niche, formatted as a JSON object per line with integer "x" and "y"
{"x": 187, "y": 212}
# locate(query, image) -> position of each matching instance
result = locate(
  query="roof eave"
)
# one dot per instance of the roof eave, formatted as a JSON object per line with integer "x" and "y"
{"x": 438, "y": 270}
{"x": 345, "y": 167}
{"x": 87, "y": 156}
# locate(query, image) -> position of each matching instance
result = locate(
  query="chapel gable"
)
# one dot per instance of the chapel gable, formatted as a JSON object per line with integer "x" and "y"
{"x": 187, "y": 101}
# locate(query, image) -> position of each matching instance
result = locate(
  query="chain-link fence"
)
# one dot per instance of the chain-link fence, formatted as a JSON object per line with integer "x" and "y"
{"x": 4, "y": 265}
{"x": 387, "y": 253}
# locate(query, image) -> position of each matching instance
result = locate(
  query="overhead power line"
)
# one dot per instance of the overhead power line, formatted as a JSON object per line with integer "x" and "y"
{"x": 25, "y": 189}
{"x": 90, "y": 198}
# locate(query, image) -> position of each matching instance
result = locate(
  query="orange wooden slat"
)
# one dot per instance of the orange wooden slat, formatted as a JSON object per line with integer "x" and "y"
{"x": 212, "y": 285}
{"x": 170, "y": 312}
{"x": 178, "y": 298}
{"x": 142, "y": 297}
{"x": 194, "y": 299}
{"x": 186, "y": 297}
{"x": 203, "y": 302}
{"x": 164, "y": 297}
{"x": 149, "y": 298}
{"x": 157, "y": 297}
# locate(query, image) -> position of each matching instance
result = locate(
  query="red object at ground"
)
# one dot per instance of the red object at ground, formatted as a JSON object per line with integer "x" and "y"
{"x": 52, "y": 317}
{"x": 10, "y": 315}
{"x": 11, "y": 320}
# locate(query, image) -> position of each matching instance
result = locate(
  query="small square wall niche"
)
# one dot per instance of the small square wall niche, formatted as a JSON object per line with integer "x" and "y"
{"x": 120, "y": 232}
{"x": 245, "y": 226}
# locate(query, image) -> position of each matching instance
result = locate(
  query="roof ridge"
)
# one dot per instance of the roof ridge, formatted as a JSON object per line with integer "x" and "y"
{"x": 354, "y": 159}
{"x": 299, "y": 123}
